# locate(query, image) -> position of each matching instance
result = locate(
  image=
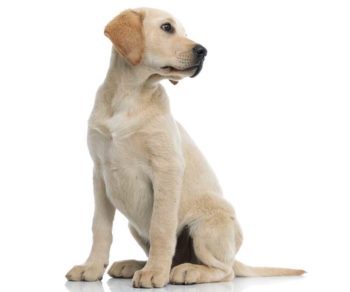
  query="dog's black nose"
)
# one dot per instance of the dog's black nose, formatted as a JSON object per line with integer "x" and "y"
{"x": 199, "y": 51}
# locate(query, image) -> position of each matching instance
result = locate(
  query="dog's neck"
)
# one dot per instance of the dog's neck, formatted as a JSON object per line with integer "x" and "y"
{"x": 126, "y": 84}
{"x": 122, "y": 76}
{"x": 127, "y": 88}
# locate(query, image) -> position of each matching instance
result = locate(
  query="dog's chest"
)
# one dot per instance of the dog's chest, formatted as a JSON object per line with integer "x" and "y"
{"x": 126, "y": 173}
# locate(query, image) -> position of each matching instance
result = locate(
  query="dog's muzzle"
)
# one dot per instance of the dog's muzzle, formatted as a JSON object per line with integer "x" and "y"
{"x": 199, "y": 53}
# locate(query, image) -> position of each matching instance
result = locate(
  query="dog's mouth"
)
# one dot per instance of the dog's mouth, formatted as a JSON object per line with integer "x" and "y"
{"x": 196, "y": 68}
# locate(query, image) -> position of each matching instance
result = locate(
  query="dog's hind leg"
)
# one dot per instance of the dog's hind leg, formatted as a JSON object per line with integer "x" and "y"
{"x": 216, "y": 239}
{"x": 126, "y": 269}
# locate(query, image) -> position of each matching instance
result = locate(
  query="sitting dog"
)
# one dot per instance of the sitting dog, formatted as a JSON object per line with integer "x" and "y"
{"x": 147, "y": 166}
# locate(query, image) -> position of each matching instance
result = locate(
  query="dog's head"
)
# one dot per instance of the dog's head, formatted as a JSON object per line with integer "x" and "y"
{"x": 155, "y": 40}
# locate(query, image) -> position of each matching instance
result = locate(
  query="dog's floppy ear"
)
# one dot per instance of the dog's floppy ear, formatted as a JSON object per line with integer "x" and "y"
{"x": 126, "y": 33}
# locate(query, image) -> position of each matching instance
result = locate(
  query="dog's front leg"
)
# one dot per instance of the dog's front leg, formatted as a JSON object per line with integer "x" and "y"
{"x": 167, "y": 182}
{"x": 93, "y": 268}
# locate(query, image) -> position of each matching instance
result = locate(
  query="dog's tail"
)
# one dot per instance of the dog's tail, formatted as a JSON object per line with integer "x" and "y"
{"x": 242, "y": 270}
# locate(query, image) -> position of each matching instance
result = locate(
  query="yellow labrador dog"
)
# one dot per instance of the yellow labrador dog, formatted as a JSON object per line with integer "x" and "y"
{"x": 147, "y": 166}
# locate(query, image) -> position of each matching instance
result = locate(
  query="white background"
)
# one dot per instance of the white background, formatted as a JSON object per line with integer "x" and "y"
{"x": 270, "y": 111}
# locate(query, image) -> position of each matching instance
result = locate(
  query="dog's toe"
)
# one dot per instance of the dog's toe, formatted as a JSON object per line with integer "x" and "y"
{"x": 184, "y": 274}
{"x": 125, "y": 269}
{"x": 87, "y": 273}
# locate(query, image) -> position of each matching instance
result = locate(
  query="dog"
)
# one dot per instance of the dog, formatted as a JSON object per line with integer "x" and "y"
{"x": 147, "y": 166}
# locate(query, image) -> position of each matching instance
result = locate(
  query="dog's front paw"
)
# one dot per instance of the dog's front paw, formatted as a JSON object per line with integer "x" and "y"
{"x": 150, "y": 278}
{"x": 88, "y": 272}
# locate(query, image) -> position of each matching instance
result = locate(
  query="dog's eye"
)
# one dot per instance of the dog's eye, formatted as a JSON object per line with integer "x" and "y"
{"x": 167, "y": 27}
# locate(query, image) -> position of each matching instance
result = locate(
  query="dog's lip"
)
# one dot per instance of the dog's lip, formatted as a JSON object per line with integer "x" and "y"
{"x": 196, "y": 67}
{"x": 172, "y": 68}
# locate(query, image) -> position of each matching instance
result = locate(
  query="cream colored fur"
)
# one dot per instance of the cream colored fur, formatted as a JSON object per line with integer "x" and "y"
{"x": 147, "y": 166}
